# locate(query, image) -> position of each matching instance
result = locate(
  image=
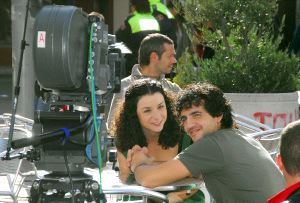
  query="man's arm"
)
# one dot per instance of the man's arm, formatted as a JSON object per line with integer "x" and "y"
{"x": 162, "y": 174}
{"x": 157, "y": 175}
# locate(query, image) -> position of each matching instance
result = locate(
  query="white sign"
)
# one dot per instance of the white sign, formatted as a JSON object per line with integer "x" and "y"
{"x": 41, "y": 39}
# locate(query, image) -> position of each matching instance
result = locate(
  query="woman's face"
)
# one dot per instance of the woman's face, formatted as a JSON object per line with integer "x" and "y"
{"x": 152, "y": 113}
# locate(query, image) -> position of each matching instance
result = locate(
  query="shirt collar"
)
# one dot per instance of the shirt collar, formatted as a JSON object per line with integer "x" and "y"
{"x": 284, "y": 194}
{"x": 136, "y": 73}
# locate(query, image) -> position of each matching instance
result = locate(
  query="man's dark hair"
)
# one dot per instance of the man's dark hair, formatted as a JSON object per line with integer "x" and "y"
{"x": 208, "y": 96}
{"x": 152, "y": 43}
{"x": 141, "y": 6}
{"x": 290, "y": 148}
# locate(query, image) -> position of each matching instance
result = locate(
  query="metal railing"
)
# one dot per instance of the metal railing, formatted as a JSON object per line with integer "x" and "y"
{"x": 10, "y": 170}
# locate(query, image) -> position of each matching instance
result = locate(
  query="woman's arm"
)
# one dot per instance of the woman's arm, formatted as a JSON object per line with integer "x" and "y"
{"x": 123, "y": 167}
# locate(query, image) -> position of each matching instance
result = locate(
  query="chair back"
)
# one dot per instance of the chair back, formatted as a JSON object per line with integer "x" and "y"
{"x": 267, "y": 136}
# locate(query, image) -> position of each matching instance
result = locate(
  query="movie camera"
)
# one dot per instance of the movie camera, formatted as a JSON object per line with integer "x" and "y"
{"x": 78, "y": 67}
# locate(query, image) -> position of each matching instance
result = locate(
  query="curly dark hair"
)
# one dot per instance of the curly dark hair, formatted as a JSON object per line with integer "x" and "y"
{"x": 126, "y": 126}
{"x": 208, "y": 96}
{"x": 290, "y": 148}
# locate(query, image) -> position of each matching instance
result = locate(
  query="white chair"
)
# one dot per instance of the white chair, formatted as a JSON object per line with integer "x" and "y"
{"x": 145, "y": 193}
{"x": 11, "y": 178}
{"x": 249, "y": 125}
{"x": 267, "y": 136}
{"x": 115, "y": 190}
{"x": 270, "y": 139}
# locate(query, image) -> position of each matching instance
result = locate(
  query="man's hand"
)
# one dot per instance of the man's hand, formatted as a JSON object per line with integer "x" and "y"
{"x": 138, "y": 156}
{"x": 180, "y": 196}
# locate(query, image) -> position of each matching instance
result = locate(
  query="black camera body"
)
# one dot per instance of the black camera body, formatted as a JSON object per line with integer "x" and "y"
{"x": 64, "y": 50}
{"x": 77, "y": 67}
{"x": 75, "y": 59}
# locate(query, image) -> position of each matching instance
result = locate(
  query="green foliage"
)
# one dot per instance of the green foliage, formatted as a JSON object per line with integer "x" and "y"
{"x": 247, "y": 58}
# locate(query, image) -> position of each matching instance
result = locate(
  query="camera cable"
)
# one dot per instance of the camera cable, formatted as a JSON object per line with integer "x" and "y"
{"x": 94, "y": 108}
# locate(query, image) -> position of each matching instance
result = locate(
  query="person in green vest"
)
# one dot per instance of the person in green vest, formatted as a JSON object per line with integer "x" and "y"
{"x": 165, "y": 19}
{"x": 136, "y": 26}
{"x": 147, "y": 118}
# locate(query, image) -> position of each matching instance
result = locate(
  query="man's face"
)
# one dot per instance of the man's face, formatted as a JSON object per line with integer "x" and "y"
{"x": 197, "y": 122}
{"x": 165, "y": 64}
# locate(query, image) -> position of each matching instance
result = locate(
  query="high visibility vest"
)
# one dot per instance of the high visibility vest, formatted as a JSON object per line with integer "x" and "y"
{"x": 143, "y": 22}
{"x": 157, "y": 5}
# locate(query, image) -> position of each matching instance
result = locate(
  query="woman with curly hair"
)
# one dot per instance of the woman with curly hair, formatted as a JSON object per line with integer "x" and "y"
{"x": 147, "y": 118}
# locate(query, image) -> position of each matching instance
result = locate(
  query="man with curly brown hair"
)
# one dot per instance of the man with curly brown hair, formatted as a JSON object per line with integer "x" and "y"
{"x": 235, "y": 167}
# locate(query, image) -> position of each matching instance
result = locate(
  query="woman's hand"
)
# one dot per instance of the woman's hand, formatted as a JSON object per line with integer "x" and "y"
{"x": 138, "y": 156}
{"x": 131, "y": 152}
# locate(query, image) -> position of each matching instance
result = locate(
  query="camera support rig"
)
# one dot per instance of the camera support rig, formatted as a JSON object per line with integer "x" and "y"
{"x": 86, "y": 189}
{"x": 60, "y": 135}
{"x": 64, "y": 183}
